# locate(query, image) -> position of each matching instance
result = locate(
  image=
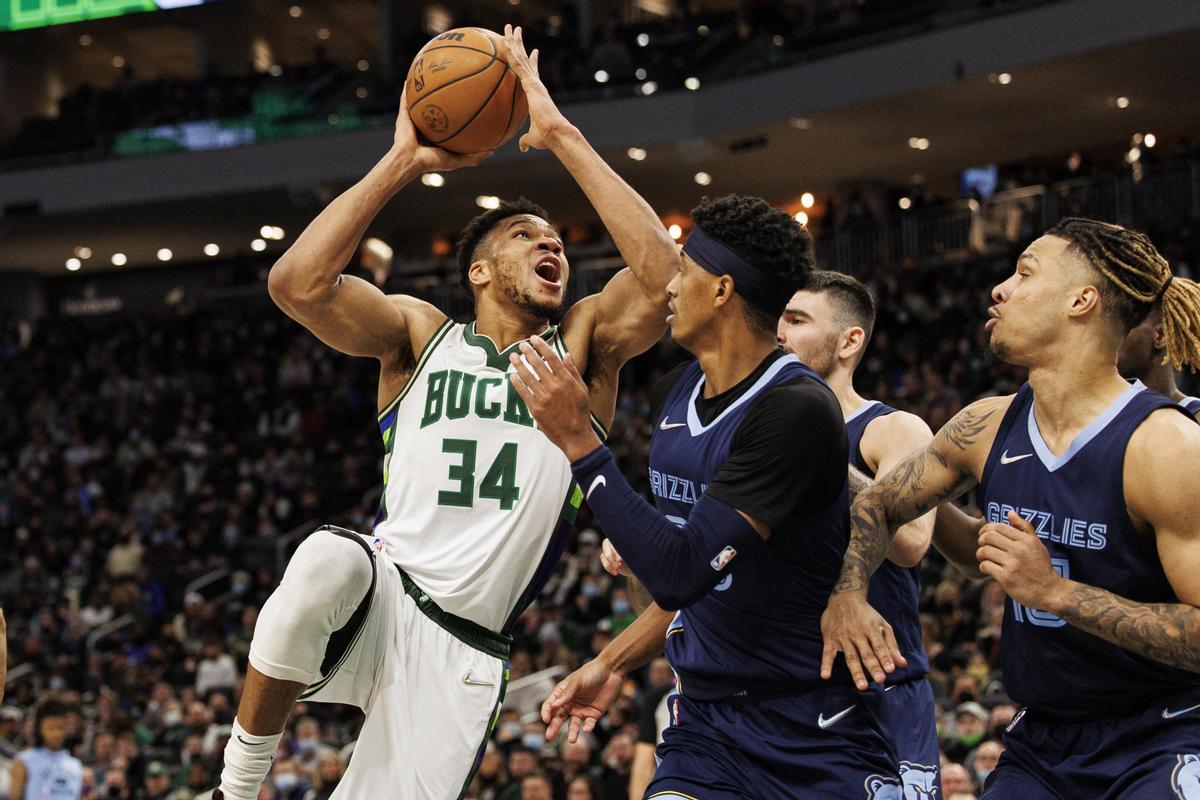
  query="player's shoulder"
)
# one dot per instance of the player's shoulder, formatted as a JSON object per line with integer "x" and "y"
{"x": 902, "y": 429}
{"x": 1165, "y": 435}
{"x": 423, "y": 319}
{"x": 800, "y": 401}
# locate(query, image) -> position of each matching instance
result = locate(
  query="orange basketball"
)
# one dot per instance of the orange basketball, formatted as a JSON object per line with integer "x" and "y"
{"x": 461, "y": 94}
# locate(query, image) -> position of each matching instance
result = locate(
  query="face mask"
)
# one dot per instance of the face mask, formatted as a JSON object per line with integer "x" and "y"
{"x": 172, "y": 718}
{"x": 306, "y": 745}
{"x": 620, "y": 606}
{"x": 510, "y": 731}
{"x": 57, "y": 683}
{"x": 286, "y": 782}
{"x": 591, "y": 591}
{"x": 981, "y": 775}
{"x": 533, "y": 741}
{"x": 971, "y": 739}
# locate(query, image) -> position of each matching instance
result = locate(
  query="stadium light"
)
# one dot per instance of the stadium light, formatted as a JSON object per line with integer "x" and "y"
{"x": 323, "y": 33}
{"x": 258, "y": 245}
{"x": 434, "y": 179}
{"x": 165, "y": 254}
{"x": 643, "y": 39}
{"x": 118, "y": 62}
{"x": 905, "y": 203}
{"x": 85, "y": 40}
{"x": 363, "y": 65}
{"x": 83, "y": 252}
{"x": 807, "y": 200}
{"x": 636, "y": 153}
{"x": 649, "y": 88}
{"x": 802, "y": 217}
{"x": 118, "y": 259}
{"x": 212, "y": 249}
{"x": 1004, "y": 78}
{"x": 702, "y": 178}
{"x": 601, "y": 76}
{"x": 675, "y": 231}
{"x": 1122, "y": 102}
{"x": 918, "y": 143}
{"x": 692, "y": 83}
{"x": 296, "y": 12}
{"x": 640, "y": 73}
{"x": 1150, "y": 140}
{"x": 73, "y": 264}
{"x": 487, "y": 201}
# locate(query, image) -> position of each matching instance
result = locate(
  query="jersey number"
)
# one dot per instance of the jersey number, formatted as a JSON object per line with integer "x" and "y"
{"x": 499, "y": 482}
{"x": 1043, "y": 619}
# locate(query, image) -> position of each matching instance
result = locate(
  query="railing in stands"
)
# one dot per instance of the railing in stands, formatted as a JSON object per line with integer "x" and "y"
{"x": 106, "y": 630}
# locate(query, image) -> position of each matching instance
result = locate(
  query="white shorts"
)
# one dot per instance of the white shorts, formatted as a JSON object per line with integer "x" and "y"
{"x": 431, "y": 685}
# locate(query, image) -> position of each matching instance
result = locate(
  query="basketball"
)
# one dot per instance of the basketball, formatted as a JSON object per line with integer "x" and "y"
{"x": 461, "y": 94}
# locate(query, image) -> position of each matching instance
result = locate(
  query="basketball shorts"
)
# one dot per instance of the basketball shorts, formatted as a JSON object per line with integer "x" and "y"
{"x": 1148, "y": 755}
{"x": 824, "y": 744}
{"x": 908, "y": 714}
{"x": 431, "y": 684}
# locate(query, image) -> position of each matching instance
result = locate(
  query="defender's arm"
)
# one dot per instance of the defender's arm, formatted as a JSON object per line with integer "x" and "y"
{"x": 886, "y": 441}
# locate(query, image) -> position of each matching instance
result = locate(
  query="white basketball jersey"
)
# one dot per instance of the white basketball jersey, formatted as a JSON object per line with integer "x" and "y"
{"x": 477, "y": 502}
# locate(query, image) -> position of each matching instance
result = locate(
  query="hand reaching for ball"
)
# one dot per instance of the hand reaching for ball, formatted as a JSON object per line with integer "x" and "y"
{"x": 545, "y": 120}
{"x": 429, "y": 159}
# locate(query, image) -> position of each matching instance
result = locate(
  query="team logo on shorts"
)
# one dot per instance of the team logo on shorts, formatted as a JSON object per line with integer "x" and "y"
{"x": 722, "y": 558}
{"x": 1185, "y": 778}
{"x": 883, "y": 787}
{"x": 919, "y": 781}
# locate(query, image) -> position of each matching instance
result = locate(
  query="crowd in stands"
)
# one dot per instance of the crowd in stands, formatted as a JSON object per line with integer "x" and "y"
{"x": 138, "y": 455}
{"x": 690, "y": 42}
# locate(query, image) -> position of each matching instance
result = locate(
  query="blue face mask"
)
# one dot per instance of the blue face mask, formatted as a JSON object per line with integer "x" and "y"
{"x": 286, "y": 782}
{"x": 511, "y": 730}
{"x": 591, "y": 590}
{"x": 620, "y": 606}
{"x": 534, "y": 741}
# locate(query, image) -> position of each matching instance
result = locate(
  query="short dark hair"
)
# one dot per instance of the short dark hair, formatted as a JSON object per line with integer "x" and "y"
{"x": 769, "y": 238}
{"x": 48, "y": 708}
{"x": 482, "y": 225}
{"x": 852, "y": 298}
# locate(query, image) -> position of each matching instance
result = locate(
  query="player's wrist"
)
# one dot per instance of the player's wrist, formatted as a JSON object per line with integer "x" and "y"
{"x": 1058, "y": 599}
{"x": 582, "y": 446}
{"x": 559, "y": 132}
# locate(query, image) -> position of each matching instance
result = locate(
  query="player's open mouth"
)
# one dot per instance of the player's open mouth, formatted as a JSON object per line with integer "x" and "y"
{"x": 549, "y": 271}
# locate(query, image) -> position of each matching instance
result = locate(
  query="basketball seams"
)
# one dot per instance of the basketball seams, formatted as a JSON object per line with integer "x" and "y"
{"x": 482, "y": 69}
{"x": 478, "y": 110}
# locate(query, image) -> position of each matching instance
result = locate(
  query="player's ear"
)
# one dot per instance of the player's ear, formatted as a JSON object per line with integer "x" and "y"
{"x": 853, "y": 340}
{"x": 1160, "y": 341}
{"x": 1084, "y": 300}
{"x": 722, "y": 290}
{"x": 480, "y": 272}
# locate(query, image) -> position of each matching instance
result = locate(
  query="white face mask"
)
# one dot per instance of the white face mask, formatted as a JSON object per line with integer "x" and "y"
{"x": 286, "y": 782}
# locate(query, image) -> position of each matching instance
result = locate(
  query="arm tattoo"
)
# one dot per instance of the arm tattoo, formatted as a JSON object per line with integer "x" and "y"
{"x": 639, "y": 598}
{"x": 913, "y": 487}
{"x": 1166, "y": 632}
{"x": 858, "y": 482}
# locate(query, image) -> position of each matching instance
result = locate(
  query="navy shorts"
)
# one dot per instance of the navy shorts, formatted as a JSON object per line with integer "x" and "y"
{"x": 908, "y": 714}
{"x": 824, "y": 744}
{"x": 1148, "y": 755}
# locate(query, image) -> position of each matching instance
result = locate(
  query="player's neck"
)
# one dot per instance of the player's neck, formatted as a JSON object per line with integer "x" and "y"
{"x": 506, "y": 325}
{"x": 730, "y": 358}
{"x": 1068, "y": 396}
{"x": 841, "y": 381}
{"x": 1161, "y": 378}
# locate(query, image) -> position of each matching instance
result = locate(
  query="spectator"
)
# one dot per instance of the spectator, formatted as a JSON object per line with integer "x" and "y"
{"x": 157, "y": 783}
{"x": 216, "y": 671}
{"x": 970, "y": 727}
{"x": 47, "y": 769}
{"x": 536, "y": 787}
{"x": 982, "y": 762}
{"x": 955, "y": 778}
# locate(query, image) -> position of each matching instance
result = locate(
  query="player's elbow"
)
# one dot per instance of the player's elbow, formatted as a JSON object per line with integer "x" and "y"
{"x": 288, "y": 289}
{"x": 679, "y": 593}
{"x": 907, "y": 554}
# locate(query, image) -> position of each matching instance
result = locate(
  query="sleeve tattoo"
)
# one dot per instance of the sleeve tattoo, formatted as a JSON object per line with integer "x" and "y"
{"x": 1166, "y": 632}
{"x": 914, "y": 486}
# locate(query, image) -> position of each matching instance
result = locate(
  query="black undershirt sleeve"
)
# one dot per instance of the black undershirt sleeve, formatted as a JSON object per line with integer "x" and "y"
{"x": 789, "y": 455}
{"x": 662, "y": 389}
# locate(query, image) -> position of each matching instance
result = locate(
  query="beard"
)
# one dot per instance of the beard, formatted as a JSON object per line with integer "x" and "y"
{"x": 821, "y": 359}
{"x": 997, "y": 350}
{"x": 525, "y": 301}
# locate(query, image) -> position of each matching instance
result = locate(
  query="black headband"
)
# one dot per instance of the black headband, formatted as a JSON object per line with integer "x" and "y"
{"x": 761, "y": 291}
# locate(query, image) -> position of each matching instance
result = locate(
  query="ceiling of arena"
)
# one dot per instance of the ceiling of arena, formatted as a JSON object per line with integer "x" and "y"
{"x": 1048, "y": 109}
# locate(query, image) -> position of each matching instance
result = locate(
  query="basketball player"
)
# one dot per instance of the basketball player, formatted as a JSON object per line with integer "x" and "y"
{"x": 1143, "y": 357}
{"x": 412, "y": 624}
{"x": 748, "y": 468}
{"x": 47, "y": 770}
{"x": 827, "y": 325}
{"x": 1087, "y": 484}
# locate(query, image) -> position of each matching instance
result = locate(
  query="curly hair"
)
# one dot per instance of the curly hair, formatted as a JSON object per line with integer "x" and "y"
{"x": 478, "y": 228}
{"x": 1138, "y": 278}
{"x": 769, "y": 238}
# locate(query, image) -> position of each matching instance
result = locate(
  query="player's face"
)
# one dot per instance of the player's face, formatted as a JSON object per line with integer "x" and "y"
{"x": 1030, "y": 306}
{"x": 529, "y": 267}
{"x": 54, "y": 732}
{"x": 691, "y": 294}
{"x": 809, "y": 330}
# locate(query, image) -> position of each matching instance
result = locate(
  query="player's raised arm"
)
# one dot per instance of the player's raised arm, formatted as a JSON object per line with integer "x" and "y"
{"x": 943, "y": 470}
{"x": 630, "y": 313}
{"x": 1159, "y": 471}
{"x": 348, "y": 313}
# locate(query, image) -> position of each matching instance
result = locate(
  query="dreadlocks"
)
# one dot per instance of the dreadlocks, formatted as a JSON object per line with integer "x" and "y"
{"x": 1138, "y": 278}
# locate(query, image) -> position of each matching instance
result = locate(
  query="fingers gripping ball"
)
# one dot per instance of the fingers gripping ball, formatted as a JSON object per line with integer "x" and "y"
{"x": 461, "y": 94}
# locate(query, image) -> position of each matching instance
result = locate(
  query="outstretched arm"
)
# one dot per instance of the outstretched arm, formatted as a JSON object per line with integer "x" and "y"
{"x": 630, "y": 313}
{"x": 1160, "y": 463}
{"x": 941, "y": 471}
{"x": 348, "y": 313}
{"x": 886, "y": 441}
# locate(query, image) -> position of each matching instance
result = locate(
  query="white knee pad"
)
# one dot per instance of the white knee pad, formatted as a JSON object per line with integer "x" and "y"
{"x": 327, "y": 580}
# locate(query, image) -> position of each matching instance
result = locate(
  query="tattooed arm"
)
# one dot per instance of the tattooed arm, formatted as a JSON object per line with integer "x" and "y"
{"x": 858, "y": 482}
{"x": 943, "y": 470}
{"x": 1160, "y": 467}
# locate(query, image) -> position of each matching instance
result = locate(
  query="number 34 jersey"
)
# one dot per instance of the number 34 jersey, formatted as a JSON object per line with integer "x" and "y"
{"x": 477, "y": 502}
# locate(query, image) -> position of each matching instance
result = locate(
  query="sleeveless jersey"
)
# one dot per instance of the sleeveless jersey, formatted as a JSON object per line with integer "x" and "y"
{"x": 477, "y": 502}
{"x": 758, "y": 630}
{"x": 1076, "y": 503}
{"x": 1191, "y": 405}
{"x": 51, "y": 774}
{"x": 894, "y": 590}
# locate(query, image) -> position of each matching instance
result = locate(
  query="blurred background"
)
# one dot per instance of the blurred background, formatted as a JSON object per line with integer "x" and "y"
{"x": 167, "y": 436}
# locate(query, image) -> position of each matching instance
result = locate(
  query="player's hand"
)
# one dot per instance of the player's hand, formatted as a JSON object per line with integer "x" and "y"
{"x": 851, "y": 627}
{"x": 612, "y": 562}
{"x": 580, "y": 699}
{"x": 428, "y": 159}
{"x": 545, "y": 120}
{"x": 1015, "y": 556}
{"x": 556, "y": 395}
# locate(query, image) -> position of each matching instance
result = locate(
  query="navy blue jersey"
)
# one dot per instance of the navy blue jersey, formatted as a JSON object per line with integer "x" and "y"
{"x": 895, "y": 592}
{"x": 1076, "y": 503}
{"x": 1191, "y": 405}
{"x": 758, "y": 630}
